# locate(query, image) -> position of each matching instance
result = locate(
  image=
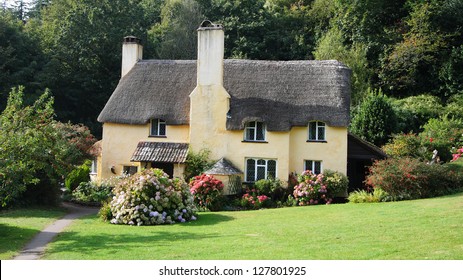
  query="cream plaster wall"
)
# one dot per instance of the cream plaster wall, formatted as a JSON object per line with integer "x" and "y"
{"x": 333, "y": 153}
{"x": 120, "y": 141}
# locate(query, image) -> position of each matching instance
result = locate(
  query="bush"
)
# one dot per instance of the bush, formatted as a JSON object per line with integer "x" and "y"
{"x": 408, "y": 178}
{"x": 374, "y": 120}
{"x": 406, "y": 145}
{"x": 362, "y": 196}
{"x": 252, "y": 200}
{"x": 272, "y": 188}
{"x": 442, "y": 134}
{"x": 91, "y": 193}
{"x": 312, "y": 189}
{"x": 197, "y": 163}
{"x": 207, "y": 192}
{"x": 336, "y": 182}
{"x": 79, "y": 175}
{"x": 151, "y": 198}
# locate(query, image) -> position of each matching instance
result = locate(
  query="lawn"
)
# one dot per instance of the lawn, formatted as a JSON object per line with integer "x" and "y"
{"x": 420, "y": 229}
{"x": 17, "y": 227}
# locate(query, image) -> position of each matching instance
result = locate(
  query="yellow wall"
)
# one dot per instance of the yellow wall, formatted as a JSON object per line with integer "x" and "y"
{"x": 289, "y": 149}
{"x": 120, "y": 141}
{"x": 333, "y": 153}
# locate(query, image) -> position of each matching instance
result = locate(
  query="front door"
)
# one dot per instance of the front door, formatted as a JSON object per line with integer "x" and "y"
{"x": 165, "y": 166}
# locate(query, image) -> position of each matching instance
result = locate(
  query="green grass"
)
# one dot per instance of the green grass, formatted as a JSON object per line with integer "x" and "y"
{"x": 420, "y": 229}
{"x": 19, "y": 226}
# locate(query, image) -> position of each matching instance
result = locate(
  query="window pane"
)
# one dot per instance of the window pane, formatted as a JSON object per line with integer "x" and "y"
{"x": 154, "y": 127}
{"x": 321, "y": 133}
{"x": 261, "y": 162}
{"x": 308, "y": 165}
{"x": 260, "y": 173}
{"x": 312, "y": 131}
{"x": 162, "y": 128}
{"x": 250, "y": 134}
{"x": 260, "y": 131}
{"x": 271, "y": 169}
{"x": 317, "y": 167}
{"x": 250, "y": 170}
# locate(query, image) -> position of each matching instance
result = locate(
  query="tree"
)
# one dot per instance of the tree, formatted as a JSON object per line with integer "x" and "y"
{"x": 375, "y": 119}
{"x": 33, "y": 146}
{"x": 331, "y": 46}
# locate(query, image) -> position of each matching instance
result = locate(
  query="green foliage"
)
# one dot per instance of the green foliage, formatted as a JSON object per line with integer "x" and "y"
{"x": 77, "y": 176}
{"x": 207, "y": 192}
{"x": 33, "y": 148}
{"x": 336, "y": 182}
{"x": 407, "y": 145}
{"x": 313, "y": 189}
{"x": 151, "y": 198}
{"x": 414, "y": 111}
{"x": 273, "y": 188}
{"x": 408, "y": 178}
{"x": 442, "y": 134}
{"x": 196, "y": 163}
{"x": 375, "y": 119}
{"x": 331, "y": 46}
{"x": 91, "y": 193}
{"x": 362, "y": 196}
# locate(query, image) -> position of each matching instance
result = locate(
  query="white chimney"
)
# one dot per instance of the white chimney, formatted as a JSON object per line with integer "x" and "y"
{"x": 210, "y": 54}
{"x": 132, "y": 52}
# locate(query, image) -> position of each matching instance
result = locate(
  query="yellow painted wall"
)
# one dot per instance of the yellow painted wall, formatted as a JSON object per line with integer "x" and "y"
{"x": 208, "y": 115}
{"x": 120, "y": 141}
{"x": 333, "y": 153}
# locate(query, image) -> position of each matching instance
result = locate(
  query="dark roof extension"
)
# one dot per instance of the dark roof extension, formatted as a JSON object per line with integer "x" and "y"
{"x": 223, "y": 167}
{"x": 280, "y": 93}
{"x": 160, "y": 152}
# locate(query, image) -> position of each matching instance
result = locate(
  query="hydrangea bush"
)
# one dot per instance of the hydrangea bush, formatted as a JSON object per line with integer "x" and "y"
{"x": 252, "y": 200}
{"x": 311, "y": 189}
{"x": 151, "y": 198}
{"x": 207, "y": 192}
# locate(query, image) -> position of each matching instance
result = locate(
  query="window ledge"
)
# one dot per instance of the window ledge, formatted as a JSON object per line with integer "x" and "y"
{"x": 317, "y": 141}
{"x": 157, "y": 136}
{"x": 254, "y": 141}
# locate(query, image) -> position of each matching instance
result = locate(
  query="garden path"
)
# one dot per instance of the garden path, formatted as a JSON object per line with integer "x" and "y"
{"x": 36, "y": 247}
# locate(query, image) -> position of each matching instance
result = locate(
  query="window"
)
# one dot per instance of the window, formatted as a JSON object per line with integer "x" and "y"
{"x": 254, "y": 131}
{"x": 158, "y": 127}
{"x": 313, "y": 165}
{"x": 317, "y": 131}
{"x": 94, "y": 169}
{"x": 257, "y": 169}
{"x": 129, "y": 170}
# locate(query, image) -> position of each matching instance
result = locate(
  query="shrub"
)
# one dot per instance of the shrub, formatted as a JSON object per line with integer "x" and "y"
{"x": 362, "y": 196}
{"x": 253, "y": 200}
{"x": 207, "y": 192}
{"x": 272, "y": 188}
{"x": 311, "y": 189}
{"x": 408, "y": 178}
{"x": 79, "y": 175}
{"x": 374, "y": 120}
{"x": 442, "y": 134}
{"x": 336, "y": 182}
{"x": 196, "y": 163}
{"x": 151, "y": 198}
{"x": 91, "y": 193}
{"x": 406, "y": 145}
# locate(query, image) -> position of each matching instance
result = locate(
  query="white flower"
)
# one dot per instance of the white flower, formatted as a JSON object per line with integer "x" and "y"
{"x": 193, "y": 218}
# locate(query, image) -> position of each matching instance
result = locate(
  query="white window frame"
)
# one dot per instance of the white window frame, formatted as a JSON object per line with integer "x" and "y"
{"x": 253, "y": 128}
{"x": 317, "y": 137}
{"x": 257, "y": 166}
{"x": 94, "y": 167}
{"x": 157, "y": 123}
{"x": 312, "y": 168}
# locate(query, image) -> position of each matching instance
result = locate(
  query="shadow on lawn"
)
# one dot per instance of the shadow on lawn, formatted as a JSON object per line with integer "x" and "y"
{"x": 114, "y": 244}
{"x": 16, "y": 236}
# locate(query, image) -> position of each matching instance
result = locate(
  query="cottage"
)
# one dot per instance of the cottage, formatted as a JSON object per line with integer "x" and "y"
{"x": 260, "y": 118}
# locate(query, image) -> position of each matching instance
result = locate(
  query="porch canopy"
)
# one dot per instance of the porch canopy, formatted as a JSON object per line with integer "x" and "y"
{"x": 160, "y": 152}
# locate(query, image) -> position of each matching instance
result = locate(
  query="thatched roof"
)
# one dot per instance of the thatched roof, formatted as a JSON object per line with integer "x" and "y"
{"x": 280, "y": 93}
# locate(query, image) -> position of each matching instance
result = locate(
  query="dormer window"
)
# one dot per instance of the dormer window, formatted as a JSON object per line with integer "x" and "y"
{"x": 158, "y": 127}
{"x": 254, "y": 131}
{"x": 317, "y": 131}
